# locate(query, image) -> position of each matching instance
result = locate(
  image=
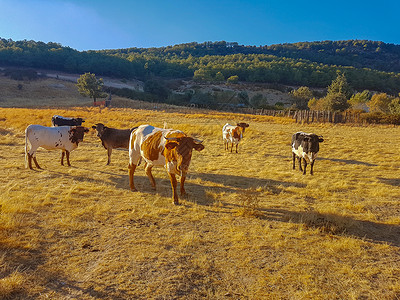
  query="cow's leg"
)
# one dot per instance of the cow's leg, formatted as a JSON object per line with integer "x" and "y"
{"x": 183, "y": 192}
{"x": 174, "y": 183}
{"x": 150, "y": 175}
{"x": 109, "y": 150}
{"x": 35, "y": 161}
{"x": 231, "y": 146}
{"x": 305, "y": 166}
{"x": 131, "y": 168}
{"x": 30, "y": 161}
{"x": 300, "y": 168}
{"x": 67, "y": 155}
{"x": 294, "y": 161}
{"x": 62, "y": 157}
{"x": 312, "y": 167}
{"x": 236, "y": 147}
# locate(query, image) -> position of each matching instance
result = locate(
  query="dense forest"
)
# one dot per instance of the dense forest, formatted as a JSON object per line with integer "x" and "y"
{"x": 367, "y": 65}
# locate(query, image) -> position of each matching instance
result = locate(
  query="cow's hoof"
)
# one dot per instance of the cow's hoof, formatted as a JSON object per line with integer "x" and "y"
{"x": 134, "y": 190}
{"x": 176, "y": 203}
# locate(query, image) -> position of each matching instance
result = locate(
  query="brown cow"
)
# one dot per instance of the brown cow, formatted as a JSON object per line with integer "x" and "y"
{"x": 112, "y": 138}
{"x": 162, "y": 147}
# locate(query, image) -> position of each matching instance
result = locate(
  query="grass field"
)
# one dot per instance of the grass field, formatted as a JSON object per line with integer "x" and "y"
{"x": 251, "y": 227}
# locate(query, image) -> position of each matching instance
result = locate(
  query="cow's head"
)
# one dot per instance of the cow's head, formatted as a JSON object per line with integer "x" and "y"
{"x": 311, "y": 143}
{"x": 76, "y": 134}
{"x": 178, "y": 153}
{"x": 242, "y": 125}
{"x": 100, "y": 129}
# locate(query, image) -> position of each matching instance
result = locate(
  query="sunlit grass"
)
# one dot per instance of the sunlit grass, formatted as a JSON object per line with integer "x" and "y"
{"x": 251, "y": 227}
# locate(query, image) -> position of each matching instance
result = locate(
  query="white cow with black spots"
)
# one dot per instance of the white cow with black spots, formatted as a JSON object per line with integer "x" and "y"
{"x": 65, "y": 138}
{"x": 305, "y": 146}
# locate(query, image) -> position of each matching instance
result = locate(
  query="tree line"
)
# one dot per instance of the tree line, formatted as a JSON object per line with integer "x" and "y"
{"x": 367, "y": 65}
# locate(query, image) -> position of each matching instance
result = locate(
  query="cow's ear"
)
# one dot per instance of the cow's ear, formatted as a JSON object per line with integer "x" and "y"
{"x": 198, "y": 147}
{"x": 171, "y": 145}
{"x": 86, "y": 129}
{"x": 320, "y": 139}
{"x": 94, "y": 126}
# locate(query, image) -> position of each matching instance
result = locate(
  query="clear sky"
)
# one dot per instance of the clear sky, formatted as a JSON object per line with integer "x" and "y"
{"x": 113, "y": 24}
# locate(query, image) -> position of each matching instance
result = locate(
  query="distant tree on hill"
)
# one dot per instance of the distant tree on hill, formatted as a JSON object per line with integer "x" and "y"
{"x": 233, "y": 79}
{"x": 219, "y": 77}
{"x": 89, "y": 85}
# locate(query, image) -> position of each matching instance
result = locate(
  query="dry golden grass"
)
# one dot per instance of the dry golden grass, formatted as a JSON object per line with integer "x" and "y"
{"x": 251, "y": 227}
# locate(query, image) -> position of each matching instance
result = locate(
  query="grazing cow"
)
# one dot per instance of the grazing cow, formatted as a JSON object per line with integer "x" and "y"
{"x": 112, "y": 138}
{"x": 233, "y": 134}
{"x": 65, "y": 138}
{"x": 162, "y": 147}
{"x": 63, "y": 121}
{"x": 305, "y": 146}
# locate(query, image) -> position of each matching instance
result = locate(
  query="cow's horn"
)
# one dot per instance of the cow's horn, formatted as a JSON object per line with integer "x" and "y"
{"x": 198, "y": 141}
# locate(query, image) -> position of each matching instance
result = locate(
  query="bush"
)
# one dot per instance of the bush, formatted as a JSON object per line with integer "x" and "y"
{"x": 24, "y": 74}
{"x": 380, "y": 118}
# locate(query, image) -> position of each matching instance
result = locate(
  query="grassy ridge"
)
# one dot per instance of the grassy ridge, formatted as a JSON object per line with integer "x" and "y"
{"x": 251, "y": 226}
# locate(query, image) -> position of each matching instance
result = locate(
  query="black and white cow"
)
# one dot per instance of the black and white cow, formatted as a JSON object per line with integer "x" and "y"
{"x": 112, "y": 138}
{"x": 305, "y": 146}
{"x": 65, "y": 138}
{"x": 63, "y": 121}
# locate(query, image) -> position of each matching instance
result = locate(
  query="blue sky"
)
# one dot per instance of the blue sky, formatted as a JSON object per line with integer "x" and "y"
{"x": 98, "y": 24}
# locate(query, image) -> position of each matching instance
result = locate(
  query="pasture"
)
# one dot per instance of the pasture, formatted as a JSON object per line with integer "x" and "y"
{"x": 250, "y": 228}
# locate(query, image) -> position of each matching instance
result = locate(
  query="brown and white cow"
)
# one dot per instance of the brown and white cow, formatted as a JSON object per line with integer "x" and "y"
{"x": 305, "y": 146}
{"x": 65, "y": 138}
{"x": 162, "y": 147}
{"x": 112, "y": 138}
{"x": 233, "y": 134}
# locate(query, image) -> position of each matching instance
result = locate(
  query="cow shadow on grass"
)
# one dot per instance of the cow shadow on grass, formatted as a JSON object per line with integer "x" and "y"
{"x": 348, "y": 161}
{"x": 337, "y": 225}
{"x": 242, "y": 182}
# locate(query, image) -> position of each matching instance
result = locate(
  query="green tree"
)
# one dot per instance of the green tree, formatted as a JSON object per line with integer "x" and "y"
{"x": 340, "y": 86}
{"x": 301, "y": 96}
{"x": 219, "y": 77}
{"x": 379, "y": 103}
{"x": 156, "y": 88}
{"x": 394, "y": 106}
{"x": 202, "y": 75}
{"x": 233, "y": 79}
{"x": 338, "y": 93}
{"x": 89, "y": 85}
{"x": 359, "y": 100}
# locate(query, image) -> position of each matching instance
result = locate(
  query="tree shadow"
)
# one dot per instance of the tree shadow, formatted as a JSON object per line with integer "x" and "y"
{"x": 347, "y": 161}
{"x": 390, "y": 181}
{"x": 337, "y": 225}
